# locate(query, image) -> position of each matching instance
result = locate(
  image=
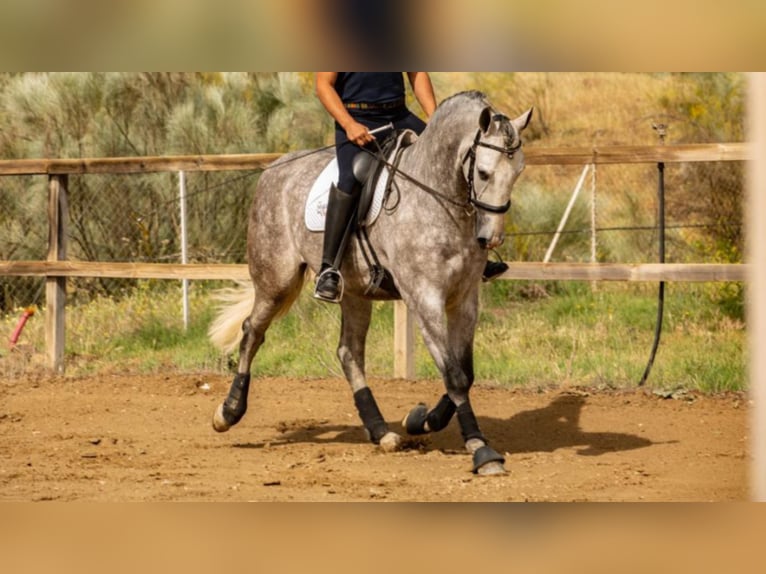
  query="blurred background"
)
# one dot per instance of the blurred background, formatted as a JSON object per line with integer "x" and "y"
{"x": 137, "y": 218}
{"x": 520, "y": 35}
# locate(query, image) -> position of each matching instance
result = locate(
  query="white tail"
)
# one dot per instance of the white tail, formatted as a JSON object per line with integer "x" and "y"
{"x": 235, "y": 306}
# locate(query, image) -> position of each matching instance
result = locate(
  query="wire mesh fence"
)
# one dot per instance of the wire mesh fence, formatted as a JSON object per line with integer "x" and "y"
{"x": 137, "y": 218}
{"x": 614, "y": 215}
{"x": 124, "y": 218}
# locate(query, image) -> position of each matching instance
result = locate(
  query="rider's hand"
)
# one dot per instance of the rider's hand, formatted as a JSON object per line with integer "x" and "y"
{"x": 359, "y": 134}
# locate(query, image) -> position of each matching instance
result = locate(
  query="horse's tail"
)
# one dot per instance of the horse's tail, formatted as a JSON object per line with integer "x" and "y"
{"x": 235, "y": 305}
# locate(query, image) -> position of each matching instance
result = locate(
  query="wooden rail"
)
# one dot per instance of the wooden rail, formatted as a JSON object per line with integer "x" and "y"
{"x": 532, "y": 155}
{"x": 128, "y": 165}
{"x": 686, "y": 272}
{"x": 195, "y": 271}
{"x": 638, "y": 154}
{"x": 57, "y": 268}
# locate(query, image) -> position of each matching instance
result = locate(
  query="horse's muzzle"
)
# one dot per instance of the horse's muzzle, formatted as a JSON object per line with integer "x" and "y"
{"x": 490, "y": 231}
{"x": 490, "y": 243}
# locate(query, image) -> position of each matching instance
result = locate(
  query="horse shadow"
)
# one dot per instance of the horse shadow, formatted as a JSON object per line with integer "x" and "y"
{"x": 546, "y": 429}
{"x": 311, "y": 431}
{"x": 556, "y": 426}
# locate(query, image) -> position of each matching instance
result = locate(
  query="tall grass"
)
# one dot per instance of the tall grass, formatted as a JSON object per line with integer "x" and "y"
{"x": 529, "y": 335}
{"x": 602, "y": 337}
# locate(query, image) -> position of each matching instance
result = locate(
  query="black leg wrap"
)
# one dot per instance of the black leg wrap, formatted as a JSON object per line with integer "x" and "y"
{"x": 469, "y": 427}
{"x": 415, "y": 423}
{"x": 235, "y": 405}
{"x": 370, "y": 414}
{"x": 484, "y": 455}
{"x": 441, "y": 414}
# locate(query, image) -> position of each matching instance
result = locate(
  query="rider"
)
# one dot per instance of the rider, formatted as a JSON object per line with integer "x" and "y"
{"x": 360, "y": 102}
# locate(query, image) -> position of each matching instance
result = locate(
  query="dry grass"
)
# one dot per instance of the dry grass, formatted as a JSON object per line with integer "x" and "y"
{"x": 578, "y": 108}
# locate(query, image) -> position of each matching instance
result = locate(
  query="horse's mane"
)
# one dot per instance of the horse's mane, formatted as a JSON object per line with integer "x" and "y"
{"x": 457, "y": 108}
{"x": 480, "y": 98}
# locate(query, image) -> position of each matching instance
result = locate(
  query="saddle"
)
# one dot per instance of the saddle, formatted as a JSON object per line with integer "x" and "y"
{"x": 374, "y": 177}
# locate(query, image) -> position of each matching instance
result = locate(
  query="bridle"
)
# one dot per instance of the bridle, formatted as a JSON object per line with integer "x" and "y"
{"x": 472, "y": 200}
{"x": 471, "y": 155}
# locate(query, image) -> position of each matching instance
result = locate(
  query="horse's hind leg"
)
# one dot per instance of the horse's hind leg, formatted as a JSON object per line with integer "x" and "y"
{"x": 355, "y": 323}
{"x": 266, "y": 307}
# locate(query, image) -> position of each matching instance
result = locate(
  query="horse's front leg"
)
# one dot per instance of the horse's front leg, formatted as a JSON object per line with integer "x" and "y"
{"x": 461, "y": 322}
{"x": 355, "y": 323}
{"x": 451, "y": 345}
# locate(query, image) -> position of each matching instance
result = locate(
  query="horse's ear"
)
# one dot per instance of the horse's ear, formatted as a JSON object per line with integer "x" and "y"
{"x": 485, "y": 119}
{"x": 523, "y": 120}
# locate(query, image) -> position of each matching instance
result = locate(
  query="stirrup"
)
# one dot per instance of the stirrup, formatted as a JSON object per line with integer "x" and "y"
{"x": 336, "y": 298}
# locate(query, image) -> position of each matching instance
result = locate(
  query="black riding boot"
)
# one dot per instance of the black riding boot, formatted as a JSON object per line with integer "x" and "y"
{"x": 493, "y": 269}
{"x": 340, "y": 211}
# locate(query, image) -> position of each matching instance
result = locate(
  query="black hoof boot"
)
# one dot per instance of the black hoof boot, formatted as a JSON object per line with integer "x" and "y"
{"x": 485, "y": 455}
{"x": 493, "y": 270}
{"x": 231, "y": 411}
{"x": 415, "y": 422}
{"x": 422, "y": 421}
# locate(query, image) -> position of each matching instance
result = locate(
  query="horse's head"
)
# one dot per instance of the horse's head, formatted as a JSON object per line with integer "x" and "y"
{"x": 491, "y": 166}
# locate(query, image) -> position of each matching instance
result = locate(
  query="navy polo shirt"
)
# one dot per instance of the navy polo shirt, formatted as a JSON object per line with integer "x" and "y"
{"x": 370, "y": 87}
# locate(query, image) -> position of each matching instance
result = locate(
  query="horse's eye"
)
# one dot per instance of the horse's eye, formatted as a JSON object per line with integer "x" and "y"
{"x": 483, "y": 175}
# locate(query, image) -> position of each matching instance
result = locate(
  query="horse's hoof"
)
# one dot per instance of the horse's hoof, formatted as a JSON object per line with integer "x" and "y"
{"x": 391, "y": 442}
{"x": 219, "y": 422}
{"x": 415, "y": 421}
{"x": 493, "y": 468}
{"x": 487, "y": 461}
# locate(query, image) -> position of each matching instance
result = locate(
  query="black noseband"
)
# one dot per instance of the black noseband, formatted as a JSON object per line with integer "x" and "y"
{"x": 491, "y": 208}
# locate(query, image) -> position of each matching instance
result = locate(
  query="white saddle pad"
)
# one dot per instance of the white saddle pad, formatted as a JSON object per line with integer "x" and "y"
{"x": 316, "y": 204}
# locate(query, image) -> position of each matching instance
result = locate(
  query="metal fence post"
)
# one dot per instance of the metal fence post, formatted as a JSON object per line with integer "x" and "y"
{"x": 184, "y": 249}
{"x": 567, "y": 211}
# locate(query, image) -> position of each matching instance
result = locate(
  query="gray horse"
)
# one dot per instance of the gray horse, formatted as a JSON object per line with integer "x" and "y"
{"x": 453, "y": 184}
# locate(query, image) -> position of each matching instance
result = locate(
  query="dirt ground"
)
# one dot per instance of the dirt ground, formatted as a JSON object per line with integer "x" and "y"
{"x": 149, "y": 438}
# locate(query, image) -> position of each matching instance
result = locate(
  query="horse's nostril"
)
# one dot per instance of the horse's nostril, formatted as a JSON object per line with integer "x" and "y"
{"x": 482, "y": 242}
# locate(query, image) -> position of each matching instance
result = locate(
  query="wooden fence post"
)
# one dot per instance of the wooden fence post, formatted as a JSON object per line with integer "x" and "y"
{"x": 55, "y": 287}
{"x": 404, "y": 338}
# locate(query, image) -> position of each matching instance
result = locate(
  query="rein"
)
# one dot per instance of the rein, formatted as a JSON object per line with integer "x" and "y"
{"x": 393, "y": 168}
{"x": 471, "y": 200}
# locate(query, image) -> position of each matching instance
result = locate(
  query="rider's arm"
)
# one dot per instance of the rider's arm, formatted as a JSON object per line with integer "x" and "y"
{"x": 423, "y": 90}
{"x": 328, "y": 95}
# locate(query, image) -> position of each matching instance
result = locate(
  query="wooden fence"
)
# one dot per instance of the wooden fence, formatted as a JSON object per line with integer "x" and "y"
{"x": 56, "y": 268}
